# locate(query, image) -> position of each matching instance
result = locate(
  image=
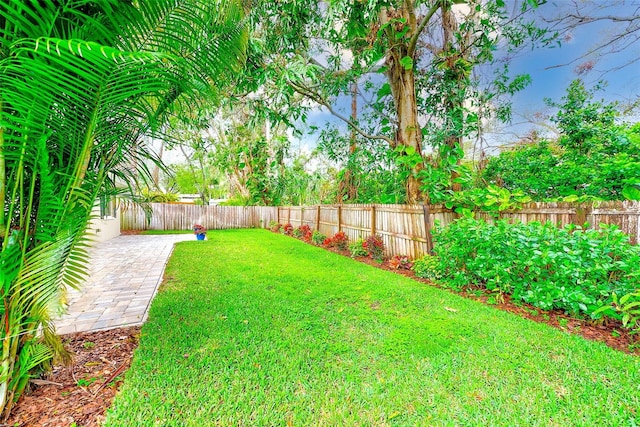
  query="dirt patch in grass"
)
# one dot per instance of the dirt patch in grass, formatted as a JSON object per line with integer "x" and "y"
{"x": 80, "y": 393}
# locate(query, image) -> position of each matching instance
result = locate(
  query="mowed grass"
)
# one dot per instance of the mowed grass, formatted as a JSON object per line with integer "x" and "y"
{"x": 257, "y": 329}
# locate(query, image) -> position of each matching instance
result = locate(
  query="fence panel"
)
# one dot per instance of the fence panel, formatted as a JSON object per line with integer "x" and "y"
{"x": 169, "y": 216}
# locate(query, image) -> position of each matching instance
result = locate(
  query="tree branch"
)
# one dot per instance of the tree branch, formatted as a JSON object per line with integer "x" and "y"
{"x": 411, "y": 47}
{"x": 589, "y": 19}
{"x": 317, "y": 98}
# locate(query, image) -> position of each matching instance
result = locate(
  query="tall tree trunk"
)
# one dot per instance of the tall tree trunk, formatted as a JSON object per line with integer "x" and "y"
{"x": 401, "y": 78}
{"x": 348, "y": 189}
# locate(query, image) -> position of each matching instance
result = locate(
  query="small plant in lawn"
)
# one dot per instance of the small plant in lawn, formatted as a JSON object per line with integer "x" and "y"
{"x": 287, "y": 230}
{"x": 275, "y": 226}
{"x": 400, "y": 262}
{"x": 318, "y": 238}
{"x": 427, "y": 267}
{"x": 88, "y": 345}
{"x": 357, "y": 248}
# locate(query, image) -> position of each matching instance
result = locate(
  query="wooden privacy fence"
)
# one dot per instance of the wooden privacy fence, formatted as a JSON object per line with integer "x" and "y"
{"x": 405, "y": 229}
{"x": 168, "y": 216}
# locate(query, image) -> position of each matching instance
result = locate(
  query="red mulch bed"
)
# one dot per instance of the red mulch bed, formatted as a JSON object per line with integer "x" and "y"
{"x": 83, "y": 391}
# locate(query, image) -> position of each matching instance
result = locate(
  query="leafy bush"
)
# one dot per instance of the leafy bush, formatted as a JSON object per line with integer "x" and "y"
{"x": 288, "y": 229}
{"x": 400, "y": 262}
{"x": 571, "y": 269}
{"x": 626, "y": 309}
{"x": 427, "y": 267}
{"x": 564, "y": 168}
{"x": 318, "y": 238}
{"x": 339, "y": 241}
{"x": 158, "y": 197}
{"x": 275, "y": 226}
{"x": 304, "y": 232}
{"x": 374, "y": 247}
{"x": 357, "y": 248}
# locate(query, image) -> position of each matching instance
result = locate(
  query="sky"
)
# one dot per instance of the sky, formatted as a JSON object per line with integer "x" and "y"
{"x": 549, "y": 81}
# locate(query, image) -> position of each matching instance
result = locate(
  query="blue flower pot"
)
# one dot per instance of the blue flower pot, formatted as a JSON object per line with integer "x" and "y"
{"x": 200, "y": 236}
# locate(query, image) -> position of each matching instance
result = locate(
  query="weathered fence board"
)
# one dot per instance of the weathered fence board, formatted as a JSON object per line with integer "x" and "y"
{"x": 405, "y": 229}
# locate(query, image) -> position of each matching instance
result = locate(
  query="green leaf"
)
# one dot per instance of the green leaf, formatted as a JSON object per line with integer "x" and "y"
{"x": 631, "y": 192}
{"x": 384, "y": 90}
{"x": 407, "y": 63}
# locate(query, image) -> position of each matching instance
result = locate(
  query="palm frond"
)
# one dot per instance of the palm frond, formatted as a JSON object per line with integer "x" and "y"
{"x": 81, "y": 83}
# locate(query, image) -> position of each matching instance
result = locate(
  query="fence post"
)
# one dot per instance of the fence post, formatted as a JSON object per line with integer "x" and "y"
{"x": 339, "y": 218}
{"x": 582, "y": 212}
{"x": 373, "y": 220}
{"x": 427, "y": 228}
{"x": 318, "y": 219}
{"x": 301, "y": 215}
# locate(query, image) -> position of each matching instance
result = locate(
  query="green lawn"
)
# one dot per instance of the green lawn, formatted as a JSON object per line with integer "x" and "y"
{"x": 258, "y": 329}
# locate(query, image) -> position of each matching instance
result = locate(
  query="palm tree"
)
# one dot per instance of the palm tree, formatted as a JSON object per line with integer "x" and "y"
{"x": 80, "y": 83}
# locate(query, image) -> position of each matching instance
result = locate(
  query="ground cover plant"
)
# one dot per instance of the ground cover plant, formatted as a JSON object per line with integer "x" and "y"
{"x": 572, "y": 269}
{"x": 254, "y": 328}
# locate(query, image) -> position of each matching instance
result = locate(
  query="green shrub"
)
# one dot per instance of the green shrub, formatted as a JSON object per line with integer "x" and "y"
{"x": 571, "y": 269}
{"x": 427, "y": 267}
{"x": 318, "y": 238}
{"x": 275, "y": 226}
{"x": 357, "y": 249}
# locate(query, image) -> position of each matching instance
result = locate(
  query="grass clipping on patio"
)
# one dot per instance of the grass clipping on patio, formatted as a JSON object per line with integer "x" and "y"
{"x": 253, "y": 328}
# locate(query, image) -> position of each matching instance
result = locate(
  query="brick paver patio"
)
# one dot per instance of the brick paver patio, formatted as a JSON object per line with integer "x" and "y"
{"x": 124, "y": 275}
